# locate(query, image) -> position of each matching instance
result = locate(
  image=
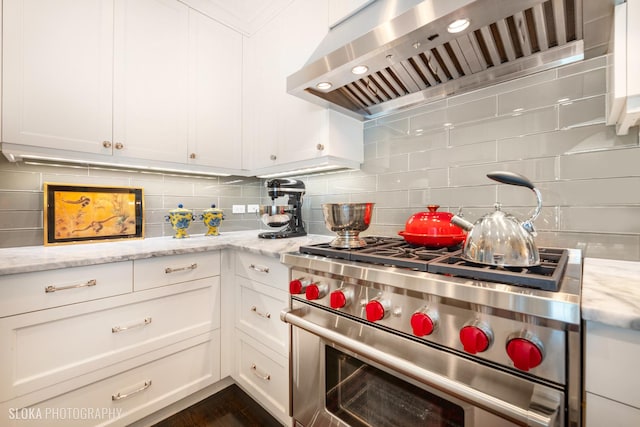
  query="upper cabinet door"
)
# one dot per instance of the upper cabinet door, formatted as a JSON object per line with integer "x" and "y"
{"x": 57, "y": 74}
{"x": 215, "y": 113}
{"x": 151, "y": 79}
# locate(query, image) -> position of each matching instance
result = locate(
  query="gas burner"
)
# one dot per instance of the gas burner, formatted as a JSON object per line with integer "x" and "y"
{"x": 545, "y": 276}
{"x": 395, "y": 252}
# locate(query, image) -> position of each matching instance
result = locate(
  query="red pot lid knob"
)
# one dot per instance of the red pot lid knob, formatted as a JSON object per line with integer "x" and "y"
{"x": 525, "y": 354}
{"x": 421, "y": 324}
{"x": 474, "y": 339}
{"x": 312, "y": 292}
{"x": 296, "y": 287}
{"x": 375, "y": 311}
{"x": 337, "y": 299}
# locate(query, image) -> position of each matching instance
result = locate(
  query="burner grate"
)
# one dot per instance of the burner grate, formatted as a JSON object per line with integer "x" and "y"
{"x": 388, "y": 251}
{"x": 546, "y": 276}
{"x": 395, "y": 252}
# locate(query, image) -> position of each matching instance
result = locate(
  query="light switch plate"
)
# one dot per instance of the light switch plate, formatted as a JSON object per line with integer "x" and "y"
{"x": 238, "y": 209}
{"x": 252, "y": 208}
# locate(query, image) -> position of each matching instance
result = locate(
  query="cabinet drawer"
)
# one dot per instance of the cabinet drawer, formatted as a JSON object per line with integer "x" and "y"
{"x": 611, "y": 358}
{"x": 263, "y": 269}
{"x": 604, "y": 412}
{"x": 54, "y": 345}
{"x": 126, "y": 397}
{"x": 167, "y": 270}
{"x": 264, "y": 374}
{"x": 258, "y": 314}
{"x": 22, "y": 293}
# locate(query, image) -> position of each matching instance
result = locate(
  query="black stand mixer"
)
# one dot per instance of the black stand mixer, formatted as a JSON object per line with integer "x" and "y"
{"x": 289, "y": 216}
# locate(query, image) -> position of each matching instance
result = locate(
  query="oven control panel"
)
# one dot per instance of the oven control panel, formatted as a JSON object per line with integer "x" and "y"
{"x": 502, "y": 338}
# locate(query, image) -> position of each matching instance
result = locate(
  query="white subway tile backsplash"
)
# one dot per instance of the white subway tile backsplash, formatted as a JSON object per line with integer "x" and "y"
{"x": 464, "y": 196}
{"x": 502, "y": 87}
{"x": 10, "y": 180}
{"x": 537, "y": 170}
{"x": 582, "y": 113}
{"x": 555, "y": 143}
{"x": 601, "y": 164}
{"x": 589, "y": 177}
{"x": 386, "y": 164}
{"x": 535, "y": 121}
{"x": 17, "y": 219}
{"x": 412, "y": 180}
{"x": 410, "y": 144}
{"x": 583, "y": 66}
{"x": 614, "y": 219}
{"x": 555, "y": 91}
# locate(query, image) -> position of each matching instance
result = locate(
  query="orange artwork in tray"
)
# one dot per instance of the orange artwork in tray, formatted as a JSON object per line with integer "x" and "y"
{"x": 94, "y": 214}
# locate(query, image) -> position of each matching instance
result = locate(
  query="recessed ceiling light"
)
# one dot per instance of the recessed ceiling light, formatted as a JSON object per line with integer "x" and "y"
{"x": 359, "y": 69}
{"x": 458, "y": 25}
{"x": 324, "y": 85}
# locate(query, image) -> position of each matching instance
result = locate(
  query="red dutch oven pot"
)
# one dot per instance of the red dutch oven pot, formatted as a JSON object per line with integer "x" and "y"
{"x": 433, "y": 229}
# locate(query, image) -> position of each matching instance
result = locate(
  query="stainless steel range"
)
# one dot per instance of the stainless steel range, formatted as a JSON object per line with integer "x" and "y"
{"x": 397, "y": 335}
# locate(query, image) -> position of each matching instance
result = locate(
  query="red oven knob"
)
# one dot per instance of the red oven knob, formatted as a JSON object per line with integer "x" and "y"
{"x": 475, "y": 338}
{"x": 298, "y": 286}
{"x": 377, "y": 309}
{"x": 423, "y": 323}
{"x": 525, "y": 353}
{"x": 316, "y": 291}
{"x": 337, "y": 299}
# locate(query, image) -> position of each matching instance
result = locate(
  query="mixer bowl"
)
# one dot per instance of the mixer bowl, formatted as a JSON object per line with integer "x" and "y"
{"x": 275, "y": 216}
{"x": 347, "y": 220}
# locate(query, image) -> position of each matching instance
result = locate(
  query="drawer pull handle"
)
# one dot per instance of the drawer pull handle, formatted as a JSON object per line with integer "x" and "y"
{"x": 255, "y": 310}
{"x": 121, "y": 396}
{"x": 52, "y": 288}
{"x": 173, "y": 270}
{"x": 117, "y": 329}
{"x": 259, "y": 268}
{"x": 255, "y": 371}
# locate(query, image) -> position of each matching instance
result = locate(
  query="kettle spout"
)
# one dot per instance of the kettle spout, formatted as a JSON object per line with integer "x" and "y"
{"x": 461, "y": 222}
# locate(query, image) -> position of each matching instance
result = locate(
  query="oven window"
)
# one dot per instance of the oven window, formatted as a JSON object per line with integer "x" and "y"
{"x": 362, "y": 395}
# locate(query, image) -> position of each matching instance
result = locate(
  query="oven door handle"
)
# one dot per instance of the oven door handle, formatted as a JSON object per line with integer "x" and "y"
{"x": 547, "y": 417}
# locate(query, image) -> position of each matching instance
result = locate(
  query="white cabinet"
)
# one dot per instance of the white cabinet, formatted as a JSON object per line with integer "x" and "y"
{"x": 283, "y": 131}
{"x": 261, "y": 340}
{"x": 150, "y": 79}
{"x": 611, "y": 379}
{"x": 624, "y": 98}
{"x": 215, "y": 110}
{"x": 57, "y": 74}
{"x": 146, "y": 82}
{"x": 145, "y": 335}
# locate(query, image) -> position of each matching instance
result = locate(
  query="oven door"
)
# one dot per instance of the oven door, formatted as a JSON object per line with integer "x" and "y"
{"x": 349, "y": 374}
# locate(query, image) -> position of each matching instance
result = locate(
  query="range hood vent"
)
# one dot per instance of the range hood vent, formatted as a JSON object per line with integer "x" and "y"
{"x": 412, "y": 58}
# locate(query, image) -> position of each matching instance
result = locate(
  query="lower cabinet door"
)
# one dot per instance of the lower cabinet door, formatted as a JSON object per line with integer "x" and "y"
{"x": 264, "y": 374}
{"x": 121, "y": 399}
{"x": 605, "y": 412}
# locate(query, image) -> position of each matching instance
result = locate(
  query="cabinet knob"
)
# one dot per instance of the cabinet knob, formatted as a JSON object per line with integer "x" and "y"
{"x": 192, "y": 155}
{"x": 106, "y": 144}
{"x": 320, "y": 147}
{"x": 273, "y": 157}
{"x": 119, "y": 145}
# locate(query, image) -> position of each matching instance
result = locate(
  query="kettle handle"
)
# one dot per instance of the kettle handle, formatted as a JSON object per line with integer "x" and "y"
{"x": 511, "y": 178}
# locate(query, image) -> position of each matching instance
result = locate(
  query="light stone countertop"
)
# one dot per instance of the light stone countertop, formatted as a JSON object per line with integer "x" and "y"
{"x": 610, "y": 288}
{"x": 37, "y": 258}
{"x": 611, "y": 292}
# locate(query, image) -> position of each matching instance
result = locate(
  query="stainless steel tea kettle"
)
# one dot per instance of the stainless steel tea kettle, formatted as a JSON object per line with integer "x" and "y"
{"x": 499, "y": 238}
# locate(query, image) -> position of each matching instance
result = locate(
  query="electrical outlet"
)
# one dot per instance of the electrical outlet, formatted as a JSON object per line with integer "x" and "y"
{"x": 238, "y": 209}
{"x": 252, "y": 208}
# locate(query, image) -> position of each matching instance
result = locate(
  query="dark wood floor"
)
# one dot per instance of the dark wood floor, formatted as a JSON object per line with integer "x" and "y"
{"x": 230, "y": 407}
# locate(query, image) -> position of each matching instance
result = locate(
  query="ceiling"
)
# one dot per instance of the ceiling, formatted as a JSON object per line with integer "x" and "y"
{"x": 244, "y": 16}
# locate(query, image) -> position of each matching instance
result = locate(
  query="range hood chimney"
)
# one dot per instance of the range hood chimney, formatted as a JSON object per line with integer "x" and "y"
{"x": 412, "y": 53}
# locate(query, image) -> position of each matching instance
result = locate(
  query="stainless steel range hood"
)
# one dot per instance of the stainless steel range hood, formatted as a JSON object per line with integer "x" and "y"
{"x": 412, "y": 57}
